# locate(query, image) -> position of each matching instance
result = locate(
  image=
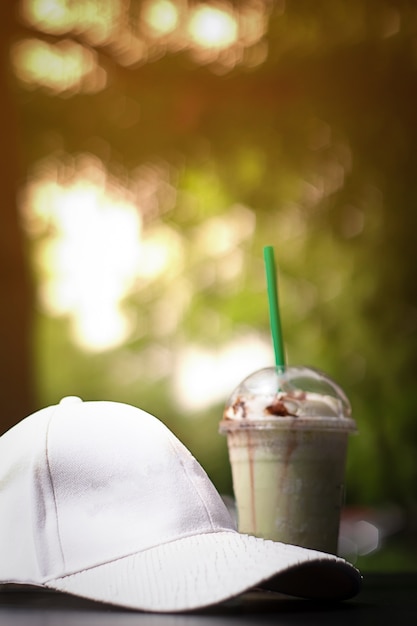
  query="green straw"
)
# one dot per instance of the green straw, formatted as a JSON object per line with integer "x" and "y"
{"x": 274, "y": 316}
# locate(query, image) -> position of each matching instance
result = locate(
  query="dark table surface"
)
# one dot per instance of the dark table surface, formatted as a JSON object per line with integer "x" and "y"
{"x": 384, "y": 599}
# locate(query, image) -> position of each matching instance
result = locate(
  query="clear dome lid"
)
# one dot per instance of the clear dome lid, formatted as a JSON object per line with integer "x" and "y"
{"x": 292, "y": 394}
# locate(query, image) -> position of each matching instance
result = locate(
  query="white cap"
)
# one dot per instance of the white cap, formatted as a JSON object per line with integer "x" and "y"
{"x": 101, "y": 500}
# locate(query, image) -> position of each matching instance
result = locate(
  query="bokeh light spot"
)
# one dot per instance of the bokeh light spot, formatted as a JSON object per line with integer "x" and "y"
{"x": 210, "y": 27}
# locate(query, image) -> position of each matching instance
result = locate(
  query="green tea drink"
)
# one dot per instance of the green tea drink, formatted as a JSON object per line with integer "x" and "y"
{"x": 287, "y": 432}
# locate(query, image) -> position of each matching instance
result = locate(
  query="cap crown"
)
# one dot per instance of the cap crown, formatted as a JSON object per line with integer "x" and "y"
{"x": 82, "y": 484}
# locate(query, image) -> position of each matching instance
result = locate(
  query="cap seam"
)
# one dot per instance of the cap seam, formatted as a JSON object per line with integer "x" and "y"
{"x": 130, "y": 554}
{"x": 53, "y": 487}
{"x": 171, "y": 442}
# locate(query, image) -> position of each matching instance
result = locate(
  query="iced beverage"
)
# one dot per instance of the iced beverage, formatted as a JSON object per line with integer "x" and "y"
{"x": 287, "y": 431}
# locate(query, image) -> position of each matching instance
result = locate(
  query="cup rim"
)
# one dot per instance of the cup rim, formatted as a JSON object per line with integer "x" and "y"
{"x": 317, "y": 423}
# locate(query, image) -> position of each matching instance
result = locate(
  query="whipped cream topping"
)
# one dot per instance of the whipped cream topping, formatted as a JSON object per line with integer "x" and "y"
{"x": 296, "y": 403}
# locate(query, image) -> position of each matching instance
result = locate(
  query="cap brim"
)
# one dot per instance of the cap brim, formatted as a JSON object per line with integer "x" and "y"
{"x": 198, "y": 571}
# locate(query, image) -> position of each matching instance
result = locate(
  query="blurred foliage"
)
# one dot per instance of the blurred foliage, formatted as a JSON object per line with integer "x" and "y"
{"x": 394, "y": 555}
{"x": 316, "y": 144}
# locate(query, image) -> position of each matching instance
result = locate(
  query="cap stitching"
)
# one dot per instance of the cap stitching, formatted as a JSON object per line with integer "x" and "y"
{"x": 173, "y": 441}
{"x": 53, "y": 486}
{"x": 128, "y": 555}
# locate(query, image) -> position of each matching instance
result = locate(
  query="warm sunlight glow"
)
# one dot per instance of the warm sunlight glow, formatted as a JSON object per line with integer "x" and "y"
{"x": 161, "y": 253}
{"x": 221, "y": 235}
{"x": 92, "y": 252}
{"x": 50, "y": 15}
{"x": 161, "y": 16}
{"x": 210, "y": 27}
{"x": 95, "y": 19}
{"x": 222, "y": 34}
{"x": 203, "y": 377}
{"x": 91, "y": 259}
{"x": 62, "y": 67}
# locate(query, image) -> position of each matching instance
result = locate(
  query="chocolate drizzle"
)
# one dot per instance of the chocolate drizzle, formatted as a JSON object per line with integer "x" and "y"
{"x": 238, "y": 406}
{"x": 278, "y": 408}
{"x": 283, "y": 405}
{"x": 286, "y": 405}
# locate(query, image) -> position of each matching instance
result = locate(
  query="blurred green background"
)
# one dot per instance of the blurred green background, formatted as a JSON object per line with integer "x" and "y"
{"x": 149, "y": 151}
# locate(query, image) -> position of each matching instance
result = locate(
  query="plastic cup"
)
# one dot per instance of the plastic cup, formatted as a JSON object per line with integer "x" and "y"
{"x": 287, "y": 433}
